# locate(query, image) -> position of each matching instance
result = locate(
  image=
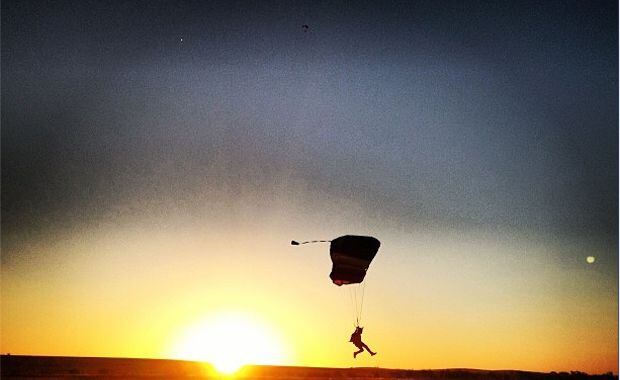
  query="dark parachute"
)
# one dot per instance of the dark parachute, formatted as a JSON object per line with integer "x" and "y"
{"x": 351, "y": 256}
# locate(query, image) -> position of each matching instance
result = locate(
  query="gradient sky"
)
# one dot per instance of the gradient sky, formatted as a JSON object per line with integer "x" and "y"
{"x": 158, "y": 157}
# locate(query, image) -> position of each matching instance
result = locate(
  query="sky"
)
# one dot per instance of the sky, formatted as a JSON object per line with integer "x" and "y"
{"x": 158, "y": 157}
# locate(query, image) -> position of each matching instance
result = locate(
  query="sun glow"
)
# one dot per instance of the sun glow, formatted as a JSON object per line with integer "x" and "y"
{"x": 229, "y": 341}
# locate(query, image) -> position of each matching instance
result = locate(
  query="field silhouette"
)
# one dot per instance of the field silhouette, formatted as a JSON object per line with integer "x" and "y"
{"x": 57, "y": 367}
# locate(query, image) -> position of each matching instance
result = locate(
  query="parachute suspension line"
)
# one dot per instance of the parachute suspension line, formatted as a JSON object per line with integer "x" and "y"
{"x": 356, "y": 298}
{"x": 362, "y": 302}
{"x": 357, "y": 305}
{"x": 357, "y": 313}
{"x": 353, "y": 304}
{"x": 294, "y": 242}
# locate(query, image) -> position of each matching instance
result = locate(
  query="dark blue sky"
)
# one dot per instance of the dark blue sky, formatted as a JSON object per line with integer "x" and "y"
{"x": 452, "y": 115}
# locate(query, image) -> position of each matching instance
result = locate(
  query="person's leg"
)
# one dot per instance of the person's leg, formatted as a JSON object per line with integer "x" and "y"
{"x": 367, "y": 349}
{"x": 359, "y": 347}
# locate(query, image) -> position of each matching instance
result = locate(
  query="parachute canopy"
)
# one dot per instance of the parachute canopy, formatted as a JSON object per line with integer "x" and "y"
{"x": 351, "y": 256}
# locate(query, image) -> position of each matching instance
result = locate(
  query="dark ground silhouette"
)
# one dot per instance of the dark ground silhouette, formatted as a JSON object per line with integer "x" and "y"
{"x": 19, "y": 367}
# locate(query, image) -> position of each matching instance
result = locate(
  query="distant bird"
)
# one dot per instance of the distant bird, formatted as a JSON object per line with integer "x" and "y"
{"x": 305, "y": 27}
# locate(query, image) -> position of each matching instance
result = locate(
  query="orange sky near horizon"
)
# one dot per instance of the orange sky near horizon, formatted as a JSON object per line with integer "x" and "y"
{"x": 433, "y": 300}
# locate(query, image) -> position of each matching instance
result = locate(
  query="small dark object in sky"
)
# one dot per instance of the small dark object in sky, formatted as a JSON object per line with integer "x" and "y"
{"x": 305, "y": 27}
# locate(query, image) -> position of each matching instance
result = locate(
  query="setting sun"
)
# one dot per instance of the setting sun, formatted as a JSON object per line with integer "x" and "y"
{"x": 229, "y": 341}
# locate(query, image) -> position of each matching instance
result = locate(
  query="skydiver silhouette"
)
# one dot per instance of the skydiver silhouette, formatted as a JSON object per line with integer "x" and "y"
{"x": 356, "y": 339}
